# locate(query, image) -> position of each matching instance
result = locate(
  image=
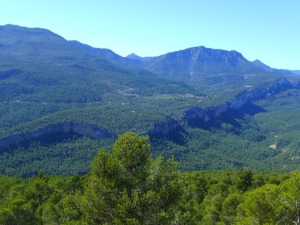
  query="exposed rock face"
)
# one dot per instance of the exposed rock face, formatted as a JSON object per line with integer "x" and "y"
{"x": 196, "y": 65}
{"x": 79, "y": 128}
{"x": 280, "y": 85}
{"x": 164, "y": 129}
{"x": 172, "y": 130}
{"x": 199, "y": 117}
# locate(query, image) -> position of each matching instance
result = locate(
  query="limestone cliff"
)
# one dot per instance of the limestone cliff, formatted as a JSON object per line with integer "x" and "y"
{"x": 78, "y": 128}
{"x": 164, "y": 129}
{"x": 213, "y": 114}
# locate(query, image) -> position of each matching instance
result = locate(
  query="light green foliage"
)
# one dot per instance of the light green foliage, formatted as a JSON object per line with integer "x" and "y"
{"x": 128, "y": 187}
{"x": 259, "y": 206}
{"x": 229, "y": 208}
{"x": 289, "y": 200}
{"x": 273, "y": 204}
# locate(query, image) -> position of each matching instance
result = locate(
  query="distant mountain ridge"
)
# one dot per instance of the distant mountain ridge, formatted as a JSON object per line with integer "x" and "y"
{"x": 203, "y": 68}
{"x": 221, "y": 74}
{"x": 273, "y": 70}
{"x": 197, "y": 66}
{"x": 107, "y": 54}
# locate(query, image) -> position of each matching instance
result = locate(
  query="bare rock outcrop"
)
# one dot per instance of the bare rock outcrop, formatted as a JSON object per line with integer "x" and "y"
{"x": 201, "y": 117}
{"x": 78, "y": 128}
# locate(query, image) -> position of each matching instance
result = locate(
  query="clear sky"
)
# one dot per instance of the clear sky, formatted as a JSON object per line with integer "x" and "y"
{"x": 268, "y": 30}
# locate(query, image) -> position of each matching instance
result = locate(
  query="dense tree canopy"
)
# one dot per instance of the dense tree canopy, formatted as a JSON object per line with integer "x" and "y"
{"x": 128, "y": 186}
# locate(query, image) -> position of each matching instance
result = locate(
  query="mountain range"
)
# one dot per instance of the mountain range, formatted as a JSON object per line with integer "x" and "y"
{"x": 212, "y": 109}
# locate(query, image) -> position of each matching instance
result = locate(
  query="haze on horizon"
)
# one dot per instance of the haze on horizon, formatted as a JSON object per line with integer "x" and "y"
{"x": 264, "y": 30}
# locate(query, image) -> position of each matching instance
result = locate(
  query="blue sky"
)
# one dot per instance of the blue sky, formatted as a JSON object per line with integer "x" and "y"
{"x": 268, "y": 30}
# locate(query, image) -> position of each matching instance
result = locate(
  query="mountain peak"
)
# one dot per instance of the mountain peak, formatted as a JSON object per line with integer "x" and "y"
{"x": 201, "y": 66}
{"x": 133, "y": 55}
{"x": 139, "y": 58}
{"x": 261, "y": 64}
{"x": 203, "y": 55}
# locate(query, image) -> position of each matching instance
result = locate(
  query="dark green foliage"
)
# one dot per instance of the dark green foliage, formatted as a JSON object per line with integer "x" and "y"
{"x": 244, "y": 180}
{"x": 72, "y": 156}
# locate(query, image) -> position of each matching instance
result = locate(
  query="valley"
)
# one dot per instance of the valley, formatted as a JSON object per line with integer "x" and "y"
{"x": 62, "y": 101}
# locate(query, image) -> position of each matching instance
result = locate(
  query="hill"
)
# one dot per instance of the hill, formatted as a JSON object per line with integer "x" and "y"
{"x": 63, "y": 100}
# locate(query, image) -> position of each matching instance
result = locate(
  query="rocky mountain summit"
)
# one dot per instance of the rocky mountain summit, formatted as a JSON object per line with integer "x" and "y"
{"x": 199, "y": 63}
